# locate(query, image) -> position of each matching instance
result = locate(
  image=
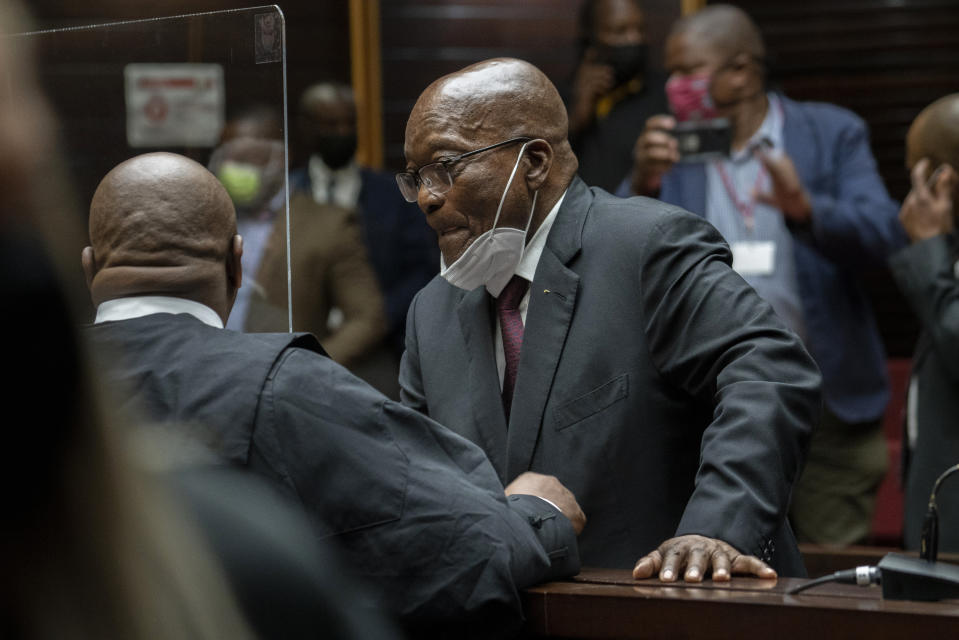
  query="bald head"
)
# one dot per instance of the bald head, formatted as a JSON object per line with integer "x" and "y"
{"x": 161, "y": 224}
{"x": 935, "y": 134}
{"x": 495, "y": 100}
{"x": 322, "y": 95}
{"x": 728, "y": 30}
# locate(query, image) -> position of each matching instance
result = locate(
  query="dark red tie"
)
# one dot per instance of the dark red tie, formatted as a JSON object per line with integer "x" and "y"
{"x": 511, "y": 324}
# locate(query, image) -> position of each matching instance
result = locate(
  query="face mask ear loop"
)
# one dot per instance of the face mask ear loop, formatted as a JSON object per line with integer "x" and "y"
{"x": 506, "y": 190}
{"x": 532, "y": 210}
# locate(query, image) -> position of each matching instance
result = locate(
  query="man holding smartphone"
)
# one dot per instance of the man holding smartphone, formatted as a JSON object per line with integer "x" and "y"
{"x": 614, "y": 90}
{"x": 803, "y": 208}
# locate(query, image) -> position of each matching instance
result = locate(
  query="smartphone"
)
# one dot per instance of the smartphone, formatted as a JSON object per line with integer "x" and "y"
{"x": 703, "y": 140}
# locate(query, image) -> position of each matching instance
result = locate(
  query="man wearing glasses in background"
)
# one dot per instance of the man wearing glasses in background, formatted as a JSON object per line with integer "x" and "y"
{"x": 602, "y": 340}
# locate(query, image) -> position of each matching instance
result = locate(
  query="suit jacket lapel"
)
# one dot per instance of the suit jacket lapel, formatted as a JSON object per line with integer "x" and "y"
{"x": 687, "y": 188}
{"x": 482, "y": 383}
{"x": 551, "y": 304}
{"x": 800, "y": 142}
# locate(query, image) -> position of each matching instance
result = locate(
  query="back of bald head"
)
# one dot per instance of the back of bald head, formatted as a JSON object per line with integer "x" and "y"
{"x": 727, "y": 29}
{"x": 160, "y": 223}
{"x": 495, "y": 100}
{"x": 935, "y": 134}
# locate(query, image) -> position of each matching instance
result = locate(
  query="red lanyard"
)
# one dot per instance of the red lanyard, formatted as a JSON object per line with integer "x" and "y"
{"x": 746, "y": 208}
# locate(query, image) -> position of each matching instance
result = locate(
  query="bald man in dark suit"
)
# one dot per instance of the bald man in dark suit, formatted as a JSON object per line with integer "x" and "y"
{"x": 647, "y": 375}
{"x": 417, "y": 510}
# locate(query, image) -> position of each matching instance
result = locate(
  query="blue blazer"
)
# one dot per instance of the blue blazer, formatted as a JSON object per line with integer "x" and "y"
{"x": 854, "y": 227}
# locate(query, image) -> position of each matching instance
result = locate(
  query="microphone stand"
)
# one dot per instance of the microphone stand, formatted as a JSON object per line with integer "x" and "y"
{"x": 903, "y": 577}
{"x": 929, "y": 540}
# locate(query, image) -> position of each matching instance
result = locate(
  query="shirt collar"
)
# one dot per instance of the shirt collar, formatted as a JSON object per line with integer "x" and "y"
{"x": 346, "y": 182}
{"x": 771, "y": 130}
{"x": 534, "y": 249}
{"x": 139, "y": 306}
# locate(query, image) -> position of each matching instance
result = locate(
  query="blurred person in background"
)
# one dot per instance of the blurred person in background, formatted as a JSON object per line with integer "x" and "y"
{"x": 111, "y": 531}
{"x": 399, "y": 244}
{"x": 250, "y": 162}
{"x": 800, "y": 201}
{"x": 614, "y": 90}
{"x": 90, "y": 547}
{"x": 334, "y": 291}
{"x": 926, "y": 272}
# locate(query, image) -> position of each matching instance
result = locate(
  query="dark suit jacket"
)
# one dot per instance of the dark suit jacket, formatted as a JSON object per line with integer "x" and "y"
{"x": 926, "y": 276}
{"x": 417, "y": 510}
{"x": 287, "y": 583}
{"x": 653, "y": 382}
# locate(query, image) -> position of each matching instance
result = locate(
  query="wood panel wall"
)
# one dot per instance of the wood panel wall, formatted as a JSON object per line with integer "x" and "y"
{"x": 884, "y": 60}
{"x": 425, "y": 39}
{"x": 318, "y": 44}
{"x": 318, "y": 47}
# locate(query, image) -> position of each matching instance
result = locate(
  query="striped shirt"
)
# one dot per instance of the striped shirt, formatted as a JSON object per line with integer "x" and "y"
{"x": 742, "y": 169}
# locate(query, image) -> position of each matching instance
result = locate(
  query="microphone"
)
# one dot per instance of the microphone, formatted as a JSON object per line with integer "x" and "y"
{"x": 902, "y": 577}
{"x": 929, "y": 538}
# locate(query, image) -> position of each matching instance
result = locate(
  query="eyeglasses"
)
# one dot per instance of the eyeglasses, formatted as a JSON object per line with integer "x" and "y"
{"x": 436, "y": 176}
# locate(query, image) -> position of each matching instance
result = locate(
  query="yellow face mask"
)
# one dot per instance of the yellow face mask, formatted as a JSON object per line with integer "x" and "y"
{"x": 242, "y": 181}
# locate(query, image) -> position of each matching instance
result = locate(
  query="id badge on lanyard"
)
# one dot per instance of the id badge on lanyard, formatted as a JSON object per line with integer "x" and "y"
{"x": 750, "y": 257}
{"x": 754, "y": 257}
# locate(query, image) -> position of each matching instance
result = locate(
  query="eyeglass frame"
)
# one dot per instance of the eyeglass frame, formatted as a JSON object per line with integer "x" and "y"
{"x": 446, "y": 163}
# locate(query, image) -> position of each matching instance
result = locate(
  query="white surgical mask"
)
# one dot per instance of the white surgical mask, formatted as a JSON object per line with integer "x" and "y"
{"x": 492, "y": 258}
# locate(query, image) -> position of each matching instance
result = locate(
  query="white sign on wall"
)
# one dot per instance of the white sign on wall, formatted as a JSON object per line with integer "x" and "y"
{"x": 174, "y": 105}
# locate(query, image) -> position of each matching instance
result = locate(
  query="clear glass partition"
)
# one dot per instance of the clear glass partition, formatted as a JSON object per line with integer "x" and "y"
{"x": 210, "y": 86}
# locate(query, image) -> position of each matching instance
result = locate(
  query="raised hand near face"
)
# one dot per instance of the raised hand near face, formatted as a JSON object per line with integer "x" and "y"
{"x": 927, "y": 210}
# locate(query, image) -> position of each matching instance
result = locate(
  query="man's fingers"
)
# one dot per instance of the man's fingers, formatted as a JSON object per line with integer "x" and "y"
{"x": 945, "y": 182}
{"x": 695, "y": 556}
{"x": 908, "y": 205}
{"x": 751, "y": 565}
{"x": 721, "y": 572}
{"x": 658, "y": 139}
{"x": 781, "y": 170}
{"x": 764, "y": 197}
{"x": 648, "y": 565}
{"x": 695, "y": 565}
{"x": 918, "y": 176}
{"x": 774, "y": 165}
{"x": 661, "y": 155}
{"x": 662, "y": 121}
{"x": 672, "y": 563}
{"x": 656, "y": 151}
{"x": 578, "y": 519}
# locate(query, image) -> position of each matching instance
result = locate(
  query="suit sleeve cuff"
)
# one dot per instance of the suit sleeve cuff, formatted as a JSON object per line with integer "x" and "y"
{"x": 554, "y": 531}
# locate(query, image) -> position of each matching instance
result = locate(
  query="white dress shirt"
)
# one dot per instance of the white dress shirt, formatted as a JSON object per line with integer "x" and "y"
{"x": 139, "y": 306}
{"x": 335, "y": 186}
{"x": 526, "y": 269}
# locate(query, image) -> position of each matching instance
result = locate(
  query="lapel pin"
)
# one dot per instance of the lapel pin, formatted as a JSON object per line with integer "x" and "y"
{"x": 555, "y": 293}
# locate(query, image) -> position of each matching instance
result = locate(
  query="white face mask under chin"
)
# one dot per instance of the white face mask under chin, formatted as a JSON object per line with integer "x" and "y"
{"x": 492, "y": 258}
